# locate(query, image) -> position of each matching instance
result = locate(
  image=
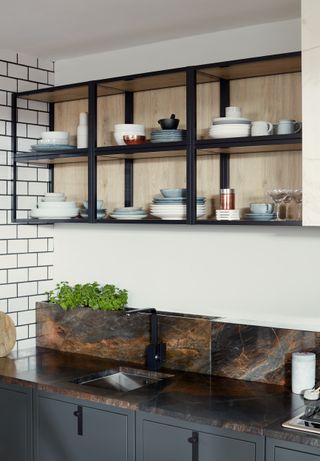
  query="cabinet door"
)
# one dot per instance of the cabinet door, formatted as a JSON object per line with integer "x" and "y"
{"x": 15, "y": 424}
{"x": 218, "y": 448}
{"x": 167, "y": 439}
{"x": 287, "y": 451}
{"x": 102, "y": 436}
{"x": 163, "y": 442}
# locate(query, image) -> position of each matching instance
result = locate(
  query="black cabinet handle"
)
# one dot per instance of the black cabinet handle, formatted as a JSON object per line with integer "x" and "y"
{"x": 79, "y": 414}
{"x": 194, "y": 440}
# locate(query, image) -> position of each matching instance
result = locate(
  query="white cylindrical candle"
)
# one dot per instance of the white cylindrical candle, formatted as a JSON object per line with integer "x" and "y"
{"x": 82, "y": 131}
{"x": 303, "y": 371}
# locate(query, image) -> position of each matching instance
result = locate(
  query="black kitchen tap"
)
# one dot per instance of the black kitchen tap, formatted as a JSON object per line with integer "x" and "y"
{"x": 156, "y": 352}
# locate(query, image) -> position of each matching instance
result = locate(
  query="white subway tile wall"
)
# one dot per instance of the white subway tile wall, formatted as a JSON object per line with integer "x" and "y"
{"x": 26, "y": 251}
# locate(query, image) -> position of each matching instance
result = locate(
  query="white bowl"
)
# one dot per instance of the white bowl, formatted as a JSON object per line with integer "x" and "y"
{"x": 45, "y": 142}
{"x": 54, "y": 194}
{"x": 53, "y": 199}
{"x": 54, "y": 213}
{"x": 54, "y": 134}
{"x": 61, "y": 205}
{"x": 135, "y": 127}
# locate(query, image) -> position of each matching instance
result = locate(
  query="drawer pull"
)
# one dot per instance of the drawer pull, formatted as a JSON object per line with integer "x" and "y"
{"x": 79, "y": 414}
{"x": 194, "y": 440}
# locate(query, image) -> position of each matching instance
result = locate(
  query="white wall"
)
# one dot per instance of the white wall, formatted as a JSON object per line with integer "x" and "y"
{"x": 268, "y": 275}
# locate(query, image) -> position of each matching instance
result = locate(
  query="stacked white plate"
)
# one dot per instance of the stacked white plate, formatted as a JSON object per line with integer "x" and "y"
{"x": 174, "y": 208}
{"x": 54, "y": 206}
{"x": 124, "y": 129}
{"x": 228, "y": 215}
{"x": 129, "y": 212}
{"x": 227, "y": 127}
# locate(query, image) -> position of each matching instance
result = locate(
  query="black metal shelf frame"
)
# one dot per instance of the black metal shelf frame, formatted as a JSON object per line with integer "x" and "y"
{"x": 190, "y": 146}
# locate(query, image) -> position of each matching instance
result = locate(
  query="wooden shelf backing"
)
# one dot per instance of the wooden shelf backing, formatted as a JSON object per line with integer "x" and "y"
{"x": 57, "y": 94}
{"x": 140, "y": 83}
{"x": 257, "y": 68}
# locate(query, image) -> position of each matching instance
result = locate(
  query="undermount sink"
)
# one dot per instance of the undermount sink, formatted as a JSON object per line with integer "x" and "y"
{"x": 122, "y": 379}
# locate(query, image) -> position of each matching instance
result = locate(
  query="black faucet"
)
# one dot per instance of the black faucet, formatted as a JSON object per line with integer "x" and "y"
{"x": 156, "y": 352}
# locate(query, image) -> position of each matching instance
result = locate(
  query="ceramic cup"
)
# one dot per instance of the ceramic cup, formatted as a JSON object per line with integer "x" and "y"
{"x": 261, "y": 128}
{"x": 233, "y": 112}
{"x": 288, "y": 127}
{"x": 261, "y": 207}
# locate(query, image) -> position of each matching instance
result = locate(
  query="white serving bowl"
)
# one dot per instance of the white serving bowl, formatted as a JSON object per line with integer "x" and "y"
{"x": 55, "y": 141}
{"x": 54, "y": 194}
{"x": 55, "y": 135}
{"x": 133, "y": 127}
{"x": 53, "y": 199}
{"x": 60, "y": 205}
{"x": 54, "y": 213}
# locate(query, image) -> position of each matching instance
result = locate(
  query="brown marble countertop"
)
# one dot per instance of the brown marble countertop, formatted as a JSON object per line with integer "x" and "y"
{"x": 221, "y": 402}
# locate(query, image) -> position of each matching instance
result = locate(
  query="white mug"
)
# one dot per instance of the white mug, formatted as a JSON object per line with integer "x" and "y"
{"x": 261, "y": 128}
{"x": 288, "y": 127}
{"x": 233, "y": 112}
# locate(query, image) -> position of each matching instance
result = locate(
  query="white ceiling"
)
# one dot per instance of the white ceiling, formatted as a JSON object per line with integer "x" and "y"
{"x": 66, "y": 28}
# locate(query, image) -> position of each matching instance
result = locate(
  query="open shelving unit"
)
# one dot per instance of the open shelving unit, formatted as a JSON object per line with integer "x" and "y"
{"x": 266, "y": 88}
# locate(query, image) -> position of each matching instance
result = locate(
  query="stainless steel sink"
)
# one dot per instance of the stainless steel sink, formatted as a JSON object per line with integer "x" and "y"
{"x": 122, "y": 379}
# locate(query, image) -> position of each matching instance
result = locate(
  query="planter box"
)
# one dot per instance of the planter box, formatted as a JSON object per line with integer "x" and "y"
{"x": 106, "y": 334}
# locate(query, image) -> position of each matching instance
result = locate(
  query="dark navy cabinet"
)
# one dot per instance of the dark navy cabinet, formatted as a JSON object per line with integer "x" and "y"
{"x": 279, "y": 450}
{"x": 166, "y": 439}
{"x": 15, "y": 423}
{"x": 72, "y": 430}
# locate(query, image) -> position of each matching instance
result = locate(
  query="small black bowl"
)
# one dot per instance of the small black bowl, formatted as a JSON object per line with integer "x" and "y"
{"x": 169, "y": 123}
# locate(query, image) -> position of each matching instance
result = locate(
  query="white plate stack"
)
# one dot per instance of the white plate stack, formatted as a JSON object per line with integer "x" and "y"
{"x": 54, "y": 206}
{"x": 129, "y": 213}
{"x": 127, "y": 129}
{"x": 224, "y": 127}
{"x": 228, "y": 215}
{"x": 175, "y": 208}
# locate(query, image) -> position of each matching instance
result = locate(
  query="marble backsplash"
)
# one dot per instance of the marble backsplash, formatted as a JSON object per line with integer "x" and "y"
{"x": 197, "y": 344}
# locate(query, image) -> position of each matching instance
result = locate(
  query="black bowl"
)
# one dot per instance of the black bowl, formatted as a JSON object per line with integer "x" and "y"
{"x": 169, "y": 123}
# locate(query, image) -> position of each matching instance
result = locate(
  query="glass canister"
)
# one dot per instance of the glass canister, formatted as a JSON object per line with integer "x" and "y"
{"x": 227, "y": 199}
{"x": 303, "y": 371}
